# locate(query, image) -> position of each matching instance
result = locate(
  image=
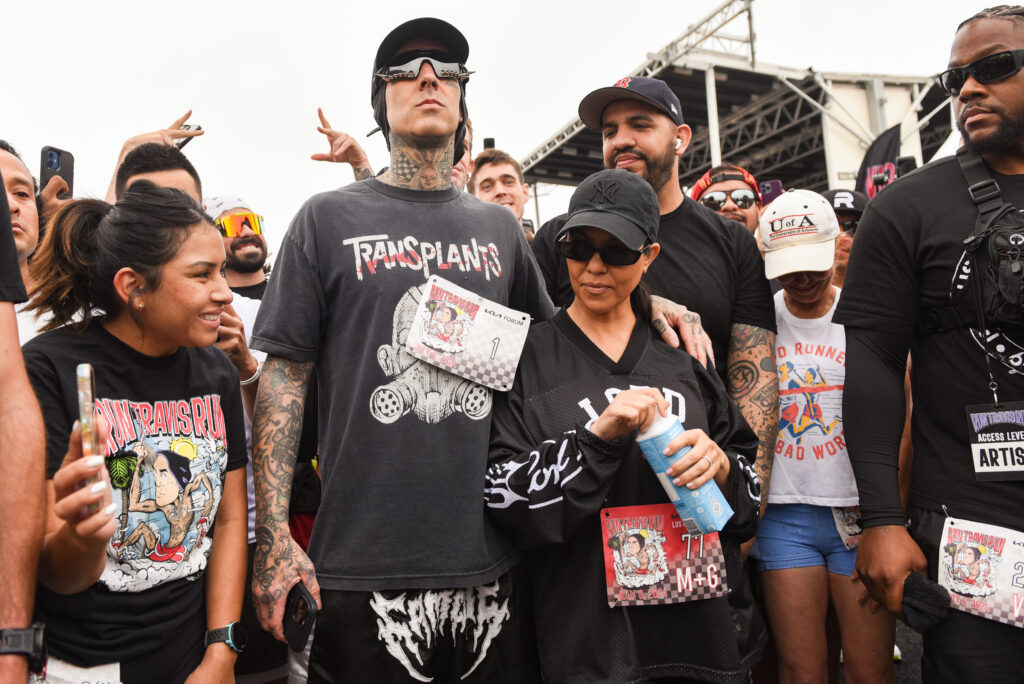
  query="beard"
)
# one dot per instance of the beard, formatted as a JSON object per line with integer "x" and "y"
{"x": 1006, "y": 137}
{"x": 250, "y": 262}
{"x": 657, "y": 170}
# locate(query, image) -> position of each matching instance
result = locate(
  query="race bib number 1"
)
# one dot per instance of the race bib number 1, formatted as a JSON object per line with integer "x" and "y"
{"x": 465, "y": 334}
{"x": 982, "y": 566}
{"x": 651, "y": 558}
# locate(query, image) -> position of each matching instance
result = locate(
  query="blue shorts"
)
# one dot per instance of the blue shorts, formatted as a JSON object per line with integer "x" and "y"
{"x": 801, "y": 536}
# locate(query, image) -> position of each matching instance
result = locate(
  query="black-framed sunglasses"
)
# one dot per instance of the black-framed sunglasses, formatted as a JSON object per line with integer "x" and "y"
{"x": 987, "y": 69}
{"x": 611, "y": 255}
{"x": 411, "y": 70}
{"x": 741, "y": 197}
{"x": 849, "y": 226}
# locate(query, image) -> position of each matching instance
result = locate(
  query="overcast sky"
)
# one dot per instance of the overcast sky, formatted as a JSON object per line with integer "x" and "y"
{"x": 83, "y": 76}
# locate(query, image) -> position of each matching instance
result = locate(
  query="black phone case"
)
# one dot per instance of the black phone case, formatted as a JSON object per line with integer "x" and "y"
{"x": 295, "y": 634}
{"x": 65, "y": 169}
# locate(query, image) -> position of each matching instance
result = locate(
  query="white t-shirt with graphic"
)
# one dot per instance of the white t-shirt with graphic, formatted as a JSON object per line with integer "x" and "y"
{"x": 811, "y": 463}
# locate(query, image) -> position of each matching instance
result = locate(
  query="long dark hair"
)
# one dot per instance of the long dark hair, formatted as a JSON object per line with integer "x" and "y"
{"x": 89, "y": 241}
{"x": 640, "y": 302}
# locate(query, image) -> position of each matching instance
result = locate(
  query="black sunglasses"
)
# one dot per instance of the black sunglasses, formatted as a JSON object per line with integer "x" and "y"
{"x": 987, "y": 69}
{"x": 849, "y": 226}
{"x": 715, "y": 200}
{"x": 611, "y": 255}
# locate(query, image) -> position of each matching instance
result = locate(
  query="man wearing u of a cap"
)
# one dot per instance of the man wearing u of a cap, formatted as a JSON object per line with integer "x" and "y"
{"x": 414, "y": 581}
{"x": 708, "y": 263}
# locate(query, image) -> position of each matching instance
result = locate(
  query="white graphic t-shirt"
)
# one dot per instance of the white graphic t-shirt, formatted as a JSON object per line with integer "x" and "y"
{"x": 811, "y": 464}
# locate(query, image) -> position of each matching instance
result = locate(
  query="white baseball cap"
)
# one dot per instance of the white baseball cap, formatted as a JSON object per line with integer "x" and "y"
{"x": 798, "y": 231}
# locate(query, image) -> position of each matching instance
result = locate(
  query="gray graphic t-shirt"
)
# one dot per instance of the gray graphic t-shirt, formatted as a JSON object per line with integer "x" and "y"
{"x": 403, "y": 444}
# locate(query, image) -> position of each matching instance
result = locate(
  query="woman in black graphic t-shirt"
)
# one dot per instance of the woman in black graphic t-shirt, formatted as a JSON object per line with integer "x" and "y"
{"x": 129, "y": 591}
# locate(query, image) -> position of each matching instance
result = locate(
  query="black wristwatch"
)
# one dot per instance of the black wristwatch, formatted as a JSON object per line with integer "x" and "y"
{"x": 233, "y": 635}
{"x": 28, "y": 642}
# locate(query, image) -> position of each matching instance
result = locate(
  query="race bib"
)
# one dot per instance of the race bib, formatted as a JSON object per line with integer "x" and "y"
{"x": 651, "y": 558}
{"x": 982, "y": 566}
{"x": 468, "y": 335}
{"x": 848, "y": 525}
{"x": 997, "y": 440}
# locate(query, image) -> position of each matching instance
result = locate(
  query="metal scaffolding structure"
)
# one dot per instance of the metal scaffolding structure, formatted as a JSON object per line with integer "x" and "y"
{"x": 777, "y": 122}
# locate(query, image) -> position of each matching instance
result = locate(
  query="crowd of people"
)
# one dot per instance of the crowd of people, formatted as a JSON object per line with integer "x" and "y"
{"x": 412, "y": 448}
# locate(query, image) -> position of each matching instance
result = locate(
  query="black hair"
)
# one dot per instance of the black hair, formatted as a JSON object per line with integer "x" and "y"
{"x": 89, "y": 241}
{"x": 1014, "y": 13}
{"x": 150, "y": 157}
{"x": 179, "y": 467}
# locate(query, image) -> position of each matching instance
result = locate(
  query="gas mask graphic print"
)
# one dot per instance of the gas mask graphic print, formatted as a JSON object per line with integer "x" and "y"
{"x": 417, "y": 387}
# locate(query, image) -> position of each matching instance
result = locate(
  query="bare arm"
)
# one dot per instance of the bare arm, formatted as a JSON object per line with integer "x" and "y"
{"x": 753, "y": 383}
{"x": 22, "y": 460}
{"x": 164, "y": 136}
{"x": 277, "y": 428}
{"x": 225, "y": 577}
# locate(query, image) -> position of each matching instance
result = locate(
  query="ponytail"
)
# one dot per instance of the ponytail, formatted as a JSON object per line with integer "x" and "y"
{"x": 88, "y": 241}
{"x": 62, "y": 265}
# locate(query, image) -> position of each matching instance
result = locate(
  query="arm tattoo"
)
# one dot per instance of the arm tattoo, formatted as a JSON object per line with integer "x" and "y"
{"x": 754, "y": 386}
{"x": 362, "y": 174}
{"x": 277, "y": 427}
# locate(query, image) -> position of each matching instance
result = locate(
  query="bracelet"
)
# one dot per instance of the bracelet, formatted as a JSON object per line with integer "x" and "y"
{"x": 255, "y": 376}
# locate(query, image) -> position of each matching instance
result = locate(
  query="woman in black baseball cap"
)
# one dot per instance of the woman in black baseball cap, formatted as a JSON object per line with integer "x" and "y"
{"x": 564, "y": 459}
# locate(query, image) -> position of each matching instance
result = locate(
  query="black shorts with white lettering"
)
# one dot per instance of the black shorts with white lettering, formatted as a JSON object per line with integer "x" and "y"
{"x": 472, "y": 635}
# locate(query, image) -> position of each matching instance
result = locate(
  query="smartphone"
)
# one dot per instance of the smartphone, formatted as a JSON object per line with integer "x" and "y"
{"x": 769, "y": 191}
{"x": 87, "y": 419}
{"x": 299, "y": 616}
{"x": 54, "y": 161}
{"x": 181, "y": 142}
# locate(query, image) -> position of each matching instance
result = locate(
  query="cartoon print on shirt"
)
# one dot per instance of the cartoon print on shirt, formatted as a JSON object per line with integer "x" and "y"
{"x": 176, "y": 494}
{"x": 417, "y": 387}
{"x": 168, "y": 461}
{"x": 809, "y": 387}
{"x": 639, "y": 557}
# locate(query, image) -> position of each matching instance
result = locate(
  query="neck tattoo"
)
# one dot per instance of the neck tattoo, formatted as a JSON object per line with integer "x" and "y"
{"x": 419, "y": 168}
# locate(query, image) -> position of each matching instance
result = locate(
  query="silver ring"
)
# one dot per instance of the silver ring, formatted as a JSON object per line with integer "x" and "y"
{"x": 708, "y": 459}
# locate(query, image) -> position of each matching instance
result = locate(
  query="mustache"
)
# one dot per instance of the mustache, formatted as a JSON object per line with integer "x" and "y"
{"x": 632, "y": 151}
{"x": 248, "y": 240}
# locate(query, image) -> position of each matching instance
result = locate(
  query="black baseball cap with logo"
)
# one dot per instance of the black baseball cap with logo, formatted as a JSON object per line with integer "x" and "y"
{"x": 617, "y": 202}
{"x": 846, "y": 201}
{"x": 649, "y": 90}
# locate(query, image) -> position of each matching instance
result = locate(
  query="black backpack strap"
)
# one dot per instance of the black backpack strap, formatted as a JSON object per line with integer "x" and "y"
{"x": 984, "y": 190}
{"x": 942, "y": 319}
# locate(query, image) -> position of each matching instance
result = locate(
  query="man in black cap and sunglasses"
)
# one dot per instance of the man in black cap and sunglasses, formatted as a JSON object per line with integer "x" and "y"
{"x": 937, "y": 270}
{"x": 413, "y": 579}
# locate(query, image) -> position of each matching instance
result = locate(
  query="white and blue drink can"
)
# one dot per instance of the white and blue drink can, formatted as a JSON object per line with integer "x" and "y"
{"x": 703, "y": 510}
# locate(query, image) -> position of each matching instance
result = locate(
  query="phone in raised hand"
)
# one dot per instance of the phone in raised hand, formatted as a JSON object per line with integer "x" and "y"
{"x": 87, "y": 420}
